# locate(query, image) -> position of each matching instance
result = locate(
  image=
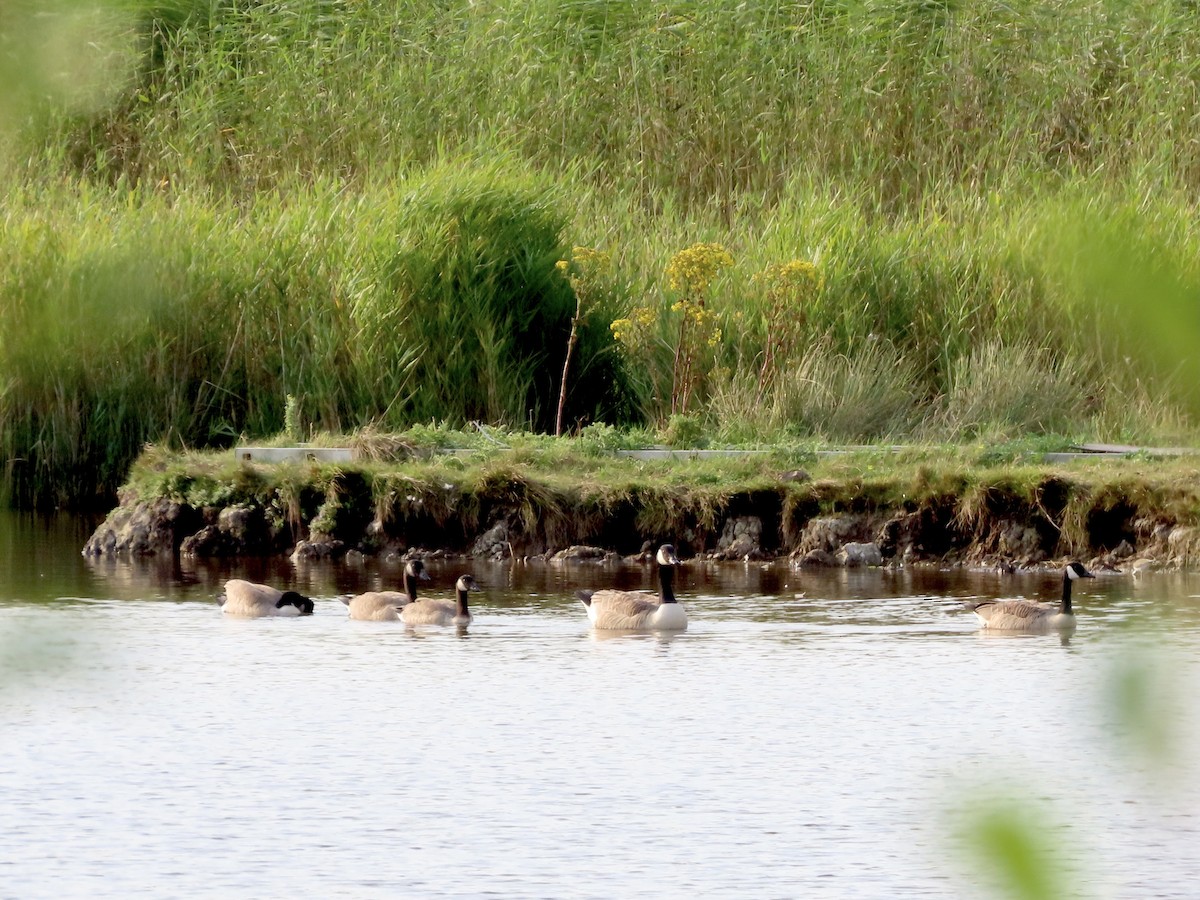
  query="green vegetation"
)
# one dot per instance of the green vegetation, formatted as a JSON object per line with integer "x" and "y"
{"x": 1008, "y": 841}
{"x": 940, "y": 221}
{"x": 556, "y": 491}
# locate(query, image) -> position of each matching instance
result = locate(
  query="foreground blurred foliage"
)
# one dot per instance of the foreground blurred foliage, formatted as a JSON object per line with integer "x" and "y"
{"x": 1011, "y": 834}
{"x": 1010, "y": 842}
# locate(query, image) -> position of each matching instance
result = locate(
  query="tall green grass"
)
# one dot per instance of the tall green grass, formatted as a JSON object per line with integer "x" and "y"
{"x": 135, "y": 317}
{"x": 701, "y": 103}
{"x": 360, "y": 205}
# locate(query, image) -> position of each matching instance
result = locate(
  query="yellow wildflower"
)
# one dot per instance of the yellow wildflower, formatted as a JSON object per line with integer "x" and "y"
{"x": 798, "y": 277}
{"x": 588, "y": 257}
{"x": 693, "y": 269}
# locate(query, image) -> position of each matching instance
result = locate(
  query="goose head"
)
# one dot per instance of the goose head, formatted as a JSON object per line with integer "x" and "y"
{"x": 291, "y": 598}
{"x": 1075, "y": 570}
{"x": 466, "y": 583}
{"x": 666, "y": 556}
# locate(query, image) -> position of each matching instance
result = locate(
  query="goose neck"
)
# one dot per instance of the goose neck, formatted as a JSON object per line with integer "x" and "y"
{"x": 462, "y": 602}
{"x": 666, "y": 584}
{"x": 1066, "y": 596}
{"x": 410, "y": 585}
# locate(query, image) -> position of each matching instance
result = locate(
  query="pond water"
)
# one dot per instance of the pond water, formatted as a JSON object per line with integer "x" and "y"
{"x": 833, "y": 734}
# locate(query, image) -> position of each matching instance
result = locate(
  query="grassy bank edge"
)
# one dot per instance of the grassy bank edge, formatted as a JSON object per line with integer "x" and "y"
{"x": 982, "y": 503}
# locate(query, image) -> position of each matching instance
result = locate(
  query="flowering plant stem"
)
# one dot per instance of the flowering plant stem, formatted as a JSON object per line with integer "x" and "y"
{"x": 572, "y": 339}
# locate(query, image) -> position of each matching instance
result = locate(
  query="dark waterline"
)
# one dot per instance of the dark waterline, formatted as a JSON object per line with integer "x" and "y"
{"x": 40, "y": 561}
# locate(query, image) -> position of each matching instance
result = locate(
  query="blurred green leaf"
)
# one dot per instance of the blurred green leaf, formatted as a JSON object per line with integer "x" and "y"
{"x": 1141, "y": 282}
{"x": 1012, "y": 843}
{"x": 63, "y": 55}
{"x": 1140, "y": 691}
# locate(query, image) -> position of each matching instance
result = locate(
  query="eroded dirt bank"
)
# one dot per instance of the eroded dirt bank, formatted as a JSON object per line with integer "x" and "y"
{"x": 1128, "y": 521}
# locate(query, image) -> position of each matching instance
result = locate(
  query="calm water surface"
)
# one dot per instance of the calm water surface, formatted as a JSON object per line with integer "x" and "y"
{"x": 810, "y": 735}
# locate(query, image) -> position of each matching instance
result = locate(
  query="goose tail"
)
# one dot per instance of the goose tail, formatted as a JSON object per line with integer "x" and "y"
{"x": 585, "y": 597}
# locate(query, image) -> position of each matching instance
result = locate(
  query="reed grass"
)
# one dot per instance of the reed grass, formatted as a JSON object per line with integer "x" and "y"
{"x": 360, "y": 206}
{"x": 173, "y": 320}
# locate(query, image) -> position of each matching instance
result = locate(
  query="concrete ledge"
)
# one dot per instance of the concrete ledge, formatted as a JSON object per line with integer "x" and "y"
{"x": 685, "y": 454}
{"x": 299, "y": 453}
{"x": 302, "y": 452}
{"x": 1129, "y": 450}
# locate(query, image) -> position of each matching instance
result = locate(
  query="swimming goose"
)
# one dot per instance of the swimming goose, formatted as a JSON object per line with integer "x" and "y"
{"x": 442, "y": 612}
{"x": 640, "y": 610}
{"x": 385, "y": 606}
{"x": 1028, "y": 615}
{"x": 252, "y": 601}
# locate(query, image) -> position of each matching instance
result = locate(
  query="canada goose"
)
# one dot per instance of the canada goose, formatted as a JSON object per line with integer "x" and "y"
{"x": 385, "y": 606}
{"x": 640, "y": 610}
{"x": 252, "y": 601}
{"x": 442, "y": 612}
{"x": 1028, "y": 615}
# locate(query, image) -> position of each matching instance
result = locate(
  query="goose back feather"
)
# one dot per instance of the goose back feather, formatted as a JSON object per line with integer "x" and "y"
{"x": 377, "y": 606}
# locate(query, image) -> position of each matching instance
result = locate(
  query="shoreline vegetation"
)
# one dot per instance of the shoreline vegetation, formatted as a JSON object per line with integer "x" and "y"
{"x": 524, "y": 496}
{"x": 771, "y": 224}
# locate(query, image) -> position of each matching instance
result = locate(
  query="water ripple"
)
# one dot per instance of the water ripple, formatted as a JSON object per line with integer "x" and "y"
{"x": 814, "y": 741}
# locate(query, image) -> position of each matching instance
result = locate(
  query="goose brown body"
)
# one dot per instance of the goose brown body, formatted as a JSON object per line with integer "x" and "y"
{"x": 613, "y": 610}
{"x": 1029, "y": 615}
